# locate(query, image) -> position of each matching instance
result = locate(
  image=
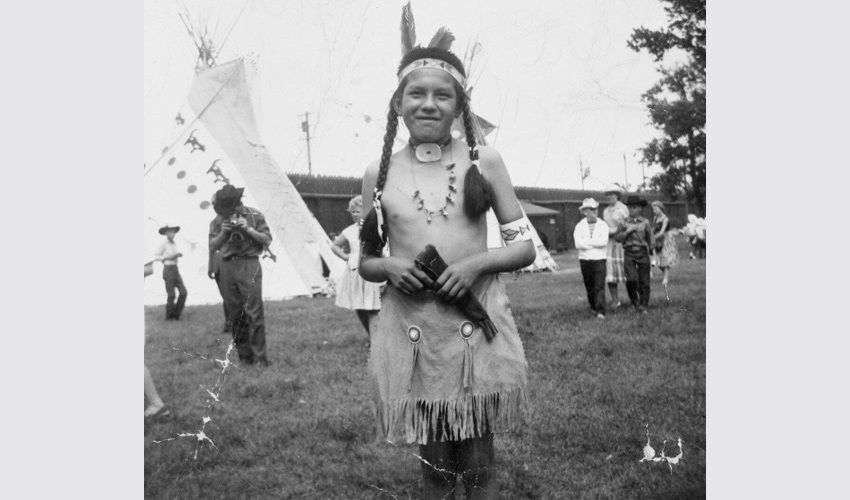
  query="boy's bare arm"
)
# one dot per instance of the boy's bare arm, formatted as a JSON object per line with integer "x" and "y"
{"x": 401, "y": 273}
{"x": 460, "y": 275}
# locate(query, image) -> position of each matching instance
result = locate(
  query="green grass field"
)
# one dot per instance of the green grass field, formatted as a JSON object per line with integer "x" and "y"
{"x": 303, "y": 428}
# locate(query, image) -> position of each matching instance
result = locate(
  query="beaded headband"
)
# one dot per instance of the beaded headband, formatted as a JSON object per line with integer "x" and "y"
{"x": 427, "y": 63}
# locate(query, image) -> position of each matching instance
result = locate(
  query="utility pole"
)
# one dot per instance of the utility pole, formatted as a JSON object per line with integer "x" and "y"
{"x": 625, "y": 170}
{"x": 581, "y": 172}
{"x": 305, "y": 127}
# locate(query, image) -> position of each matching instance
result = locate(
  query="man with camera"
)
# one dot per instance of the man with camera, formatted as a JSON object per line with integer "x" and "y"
{"x": 240, "y": 233}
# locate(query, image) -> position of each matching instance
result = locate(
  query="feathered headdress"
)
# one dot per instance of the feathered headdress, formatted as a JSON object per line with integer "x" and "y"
{"x": 408, "y": 30}
{"x": 442, "y": 39}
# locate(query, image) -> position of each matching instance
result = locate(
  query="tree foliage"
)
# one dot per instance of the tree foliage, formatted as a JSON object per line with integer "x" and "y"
{"x": 676, "y": 102}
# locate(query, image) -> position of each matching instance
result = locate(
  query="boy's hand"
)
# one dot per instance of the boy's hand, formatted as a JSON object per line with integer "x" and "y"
{"x": 457, "y": 279}
{"x": 404, "y": 275}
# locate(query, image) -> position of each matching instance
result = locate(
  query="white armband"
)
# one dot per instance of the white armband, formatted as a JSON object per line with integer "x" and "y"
{"x": 516, "y": 231}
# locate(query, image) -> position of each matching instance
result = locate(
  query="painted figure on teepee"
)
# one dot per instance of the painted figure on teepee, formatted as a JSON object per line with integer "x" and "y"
{"x": 446, "y": 361}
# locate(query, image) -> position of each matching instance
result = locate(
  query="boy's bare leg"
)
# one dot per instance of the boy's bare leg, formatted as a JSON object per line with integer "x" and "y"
{"x": 475, "y": 460}
{"x": 439, "y": 477}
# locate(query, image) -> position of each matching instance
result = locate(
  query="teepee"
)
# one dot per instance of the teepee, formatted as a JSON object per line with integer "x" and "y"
{"x": 215, "y": 142}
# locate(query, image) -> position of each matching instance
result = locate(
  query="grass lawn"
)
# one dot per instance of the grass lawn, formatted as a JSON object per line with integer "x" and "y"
{"x": 303, "y": 428}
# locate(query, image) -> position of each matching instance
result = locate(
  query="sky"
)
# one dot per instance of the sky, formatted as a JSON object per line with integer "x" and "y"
{"x": 556, "y": 77}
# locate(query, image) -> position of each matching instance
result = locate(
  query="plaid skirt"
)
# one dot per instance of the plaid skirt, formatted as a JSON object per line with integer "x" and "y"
{"x": 614, "y": 267}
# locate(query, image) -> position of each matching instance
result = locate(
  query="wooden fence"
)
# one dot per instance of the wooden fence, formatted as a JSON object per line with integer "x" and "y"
{"x": 327, "y": 197}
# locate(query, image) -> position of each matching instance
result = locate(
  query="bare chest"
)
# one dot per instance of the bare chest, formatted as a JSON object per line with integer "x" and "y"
{"x": 425, "y": 206}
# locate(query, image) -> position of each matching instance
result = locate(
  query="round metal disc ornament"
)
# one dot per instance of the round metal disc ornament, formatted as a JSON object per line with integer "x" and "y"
{"x": 466, "y": 330}
{"x": 428, "y": 151}
{"x": 414, "y": 334}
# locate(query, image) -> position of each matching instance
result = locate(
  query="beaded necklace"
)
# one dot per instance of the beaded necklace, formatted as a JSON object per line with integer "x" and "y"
{"x": 417, "y": 199}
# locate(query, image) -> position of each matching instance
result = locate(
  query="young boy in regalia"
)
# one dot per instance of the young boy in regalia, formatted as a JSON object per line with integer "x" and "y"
{"x": 446, "y": 361}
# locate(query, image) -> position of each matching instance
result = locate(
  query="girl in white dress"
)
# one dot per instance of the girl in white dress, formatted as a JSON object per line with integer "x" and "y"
{"x": 353, "y": 292}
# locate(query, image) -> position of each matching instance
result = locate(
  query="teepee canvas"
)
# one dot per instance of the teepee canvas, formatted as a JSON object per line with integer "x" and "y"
{"x": 216, "y": 142}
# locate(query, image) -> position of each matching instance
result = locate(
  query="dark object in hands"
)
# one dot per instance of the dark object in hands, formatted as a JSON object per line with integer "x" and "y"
{"x": 430, "y": 262}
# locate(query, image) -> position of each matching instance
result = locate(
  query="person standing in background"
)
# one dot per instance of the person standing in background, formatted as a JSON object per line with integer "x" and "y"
{"x": 665, "y": 243}
{"x": 636, "y": 236}
{"x": 614, "y": 215}
{"x": 168, "y": 254}
{"x": 591, "y": 237}
{"x": 214, "y": 272}
{"x": 353, "y": 292}
{"x": 241, "y": 234}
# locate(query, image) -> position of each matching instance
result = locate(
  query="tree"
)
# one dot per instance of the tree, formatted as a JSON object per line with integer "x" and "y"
{"x": 676, "y": 103}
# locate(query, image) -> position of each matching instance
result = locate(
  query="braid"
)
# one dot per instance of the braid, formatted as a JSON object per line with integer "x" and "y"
{"x": 477, "y": 196}
{"x": 373, "y": 243}
{"x": 387, "y": 151}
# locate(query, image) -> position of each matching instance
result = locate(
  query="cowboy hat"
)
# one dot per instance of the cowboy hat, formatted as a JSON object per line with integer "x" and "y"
{"x": 227, "y": 197}
{"x": 167, "y": 228}
{"x": 588, "y": 203}
{"x": 614, "y": 188}
{"x": 635, "y": 200}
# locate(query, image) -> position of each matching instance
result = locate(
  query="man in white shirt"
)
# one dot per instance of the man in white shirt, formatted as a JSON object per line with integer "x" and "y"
{"x": 168, "y": 254}
{"x": 591, "y": 238}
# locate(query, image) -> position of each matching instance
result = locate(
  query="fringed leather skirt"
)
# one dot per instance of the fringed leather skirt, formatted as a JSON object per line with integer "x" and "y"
{"x": 435, "y": 376}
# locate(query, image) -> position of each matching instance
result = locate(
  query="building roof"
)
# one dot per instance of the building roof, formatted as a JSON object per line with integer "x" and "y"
{"x": 531, "y": 209}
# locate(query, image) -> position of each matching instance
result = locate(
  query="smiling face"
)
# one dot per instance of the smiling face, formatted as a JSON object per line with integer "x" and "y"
{"x": 428, "y": 105}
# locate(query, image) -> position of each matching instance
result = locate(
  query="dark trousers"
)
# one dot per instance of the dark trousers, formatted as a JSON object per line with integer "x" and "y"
{"x": 470, "y": 459}
{"x": 173, "y": 281}
{"x": 242, "y": 288}
{"x": 593, "y": 272}
{"x": 223, "y": 300}
{"x": 636, "y": 269}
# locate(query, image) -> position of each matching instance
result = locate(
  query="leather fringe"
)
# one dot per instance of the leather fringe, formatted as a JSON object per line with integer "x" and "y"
{"x": 464, "y": 418}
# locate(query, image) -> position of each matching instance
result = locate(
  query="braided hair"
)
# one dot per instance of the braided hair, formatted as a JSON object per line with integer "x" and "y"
{"x": 476, "y": 190}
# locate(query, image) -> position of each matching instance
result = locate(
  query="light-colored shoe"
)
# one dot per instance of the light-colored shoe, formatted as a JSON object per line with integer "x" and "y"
{"x": 600, "y": 316}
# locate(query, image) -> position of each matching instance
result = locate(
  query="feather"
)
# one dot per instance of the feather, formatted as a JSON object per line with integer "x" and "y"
{"x": 408, "y": 29}
{"x": 442, "y": 39}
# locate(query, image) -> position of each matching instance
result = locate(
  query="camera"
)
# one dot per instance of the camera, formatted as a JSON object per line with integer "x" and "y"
{"x": 236, "y": 232}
